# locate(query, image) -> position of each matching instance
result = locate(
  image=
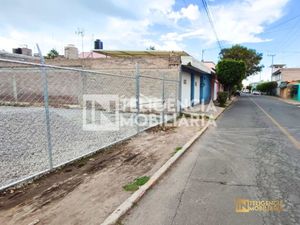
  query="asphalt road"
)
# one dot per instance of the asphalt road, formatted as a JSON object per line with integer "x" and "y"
{"x": 252, "y": 154}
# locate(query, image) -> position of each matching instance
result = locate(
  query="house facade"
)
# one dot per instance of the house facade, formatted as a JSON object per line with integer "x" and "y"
{"x": 196, "y": 82}
{"x": 216, "y": 86}
{"x": 288, "y": 80}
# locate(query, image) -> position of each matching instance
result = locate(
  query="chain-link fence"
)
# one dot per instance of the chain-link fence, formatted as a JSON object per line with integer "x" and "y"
{"x": 52, "y": 115}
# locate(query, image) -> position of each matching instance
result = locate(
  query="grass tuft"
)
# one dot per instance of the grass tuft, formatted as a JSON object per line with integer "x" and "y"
{"x": 178, "y": 149}
{"x": 142, "y": 180}
{"x": 133, "y": 186}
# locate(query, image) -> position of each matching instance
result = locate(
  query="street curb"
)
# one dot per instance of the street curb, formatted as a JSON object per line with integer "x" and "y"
{"x": 230, "y": 103}
{"x": 127, "y": 205}
{"x": 114, "y": 217}
{"x": 290, "y": 101}
{"x": 208, "y": 117}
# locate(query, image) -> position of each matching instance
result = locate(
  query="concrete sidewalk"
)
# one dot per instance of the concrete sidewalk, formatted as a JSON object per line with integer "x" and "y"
{"x": 246, "y": 157}
{"x": 289, "y": 101}
{"x": 209, "y": 110}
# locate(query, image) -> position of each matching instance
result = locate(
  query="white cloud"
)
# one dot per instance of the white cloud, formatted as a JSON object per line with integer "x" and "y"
{"x": 235, "y": 21}
{"x": 133, "y": 26}
{"x": 191, "y": 12}
{"x": 174, "y": 36}
{"x": 243, "y": 21}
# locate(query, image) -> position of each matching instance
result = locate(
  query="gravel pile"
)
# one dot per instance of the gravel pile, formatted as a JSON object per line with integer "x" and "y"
{"x": 23, "y": 139}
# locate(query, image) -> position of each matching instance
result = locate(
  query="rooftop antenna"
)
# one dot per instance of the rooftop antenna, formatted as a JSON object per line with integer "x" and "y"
{"x": 80, "y": 32}
{"x": 202, "y": 54}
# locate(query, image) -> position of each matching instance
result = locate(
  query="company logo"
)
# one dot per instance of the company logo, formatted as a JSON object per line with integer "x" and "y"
{"x": 101, "y": 112}
{"x": 246, "y": 205}
{"x": 111, "y": 112}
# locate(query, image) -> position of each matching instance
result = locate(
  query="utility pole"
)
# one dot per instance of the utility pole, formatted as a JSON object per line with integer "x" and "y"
{"x": 203, "y": 50}
{"x": 272, "y": 65}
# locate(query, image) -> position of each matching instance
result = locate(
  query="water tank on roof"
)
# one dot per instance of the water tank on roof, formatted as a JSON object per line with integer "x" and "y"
{"x": 71, "y": 52}
{"x": 98, "y": 44}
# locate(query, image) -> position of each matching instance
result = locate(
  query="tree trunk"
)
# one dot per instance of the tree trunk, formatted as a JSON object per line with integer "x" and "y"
{"x": 228, "y": 90}
{"x": 229, "y": 93}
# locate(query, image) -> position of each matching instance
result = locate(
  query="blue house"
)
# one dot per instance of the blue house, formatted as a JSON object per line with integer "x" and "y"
{"x": 195, "y": 82}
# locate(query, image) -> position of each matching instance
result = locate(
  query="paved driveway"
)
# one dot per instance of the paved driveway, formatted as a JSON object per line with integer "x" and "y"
{"x": 253, "y": 154}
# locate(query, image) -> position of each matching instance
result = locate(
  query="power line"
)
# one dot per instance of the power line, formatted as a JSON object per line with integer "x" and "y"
{"x": 283, "y": 23}
{"x": 287, "y": 40}
{"x": 267, "y": 51}
{"x": 283, "y": 29}
{"x": 211, "y": 22}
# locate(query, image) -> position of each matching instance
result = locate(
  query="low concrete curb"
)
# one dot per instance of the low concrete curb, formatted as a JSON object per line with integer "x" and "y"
{"x": 215, "y": 117}
{"x": 134, "y": 198}
{"x": 230, "y": 103}
{"x": 288, "y": 101}
{"x": 125, "y": 206}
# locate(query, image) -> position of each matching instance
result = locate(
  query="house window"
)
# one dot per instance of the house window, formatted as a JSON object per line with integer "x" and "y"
{"x": 184, "y": 81}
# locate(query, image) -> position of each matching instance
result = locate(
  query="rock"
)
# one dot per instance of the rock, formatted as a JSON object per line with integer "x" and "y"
{"x": 34, "y": 222}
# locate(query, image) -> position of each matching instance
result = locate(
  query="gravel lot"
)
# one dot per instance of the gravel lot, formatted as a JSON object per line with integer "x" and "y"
{"x": 23, "y": 140}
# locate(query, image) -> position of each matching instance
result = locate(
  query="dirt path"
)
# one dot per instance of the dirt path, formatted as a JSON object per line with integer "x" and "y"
{"x": 90, "y": 189}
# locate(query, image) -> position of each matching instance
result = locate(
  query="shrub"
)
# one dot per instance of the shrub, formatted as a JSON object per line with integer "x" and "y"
{"x": 268, "y": 87}
{"x": 222, "y": 98}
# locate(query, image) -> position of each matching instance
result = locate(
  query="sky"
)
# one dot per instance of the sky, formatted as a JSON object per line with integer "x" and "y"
{"x": 270, "y": 27}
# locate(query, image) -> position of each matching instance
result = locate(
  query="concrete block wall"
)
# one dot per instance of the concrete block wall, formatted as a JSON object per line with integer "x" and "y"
{"x": 290, "y": 74}
{"x": 18, "y": 57}
{"x": 25, "y": 84}
{"x": 118, "y": 63}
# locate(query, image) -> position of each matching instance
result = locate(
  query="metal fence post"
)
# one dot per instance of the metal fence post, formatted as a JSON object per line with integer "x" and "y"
{"x": 14, "y": 84}
{"x": 163, "y": 100}
{"x": 82, "y": 91}
{"x": 180, "y": 90}
{"x": 176, "y": 97}
{"x": 137, "y": 95}
{"x": 46, "y": 104}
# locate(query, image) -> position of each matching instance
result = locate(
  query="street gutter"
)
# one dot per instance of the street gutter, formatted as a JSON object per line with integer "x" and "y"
{"x": 288, "y": 101}
{"x": 116, "y": 215}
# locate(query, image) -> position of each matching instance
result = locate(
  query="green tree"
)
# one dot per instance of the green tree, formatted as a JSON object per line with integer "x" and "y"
{"x": 267, "y": 87}
{"x": 52, "y": 54}
{"x": 152, "y": 48}
{"x": 230, "y": 73}
{"x": 249, "y": 56}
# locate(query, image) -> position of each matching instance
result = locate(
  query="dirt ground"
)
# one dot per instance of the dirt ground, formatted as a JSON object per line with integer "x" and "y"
{"x": 87, "y": 191}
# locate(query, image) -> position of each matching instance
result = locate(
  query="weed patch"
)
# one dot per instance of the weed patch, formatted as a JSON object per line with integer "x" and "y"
{"x": 133, "y": 186}
{"x": 176, "y": 150}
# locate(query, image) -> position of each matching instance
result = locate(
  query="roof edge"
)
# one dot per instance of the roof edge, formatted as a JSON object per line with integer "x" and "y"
{"x": 141, "y": 53}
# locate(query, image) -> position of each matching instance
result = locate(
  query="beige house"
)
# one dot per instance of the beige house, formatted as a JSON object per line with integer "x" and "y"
{"x": 284, "y": 77}
{"x": 286, "y": 74}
